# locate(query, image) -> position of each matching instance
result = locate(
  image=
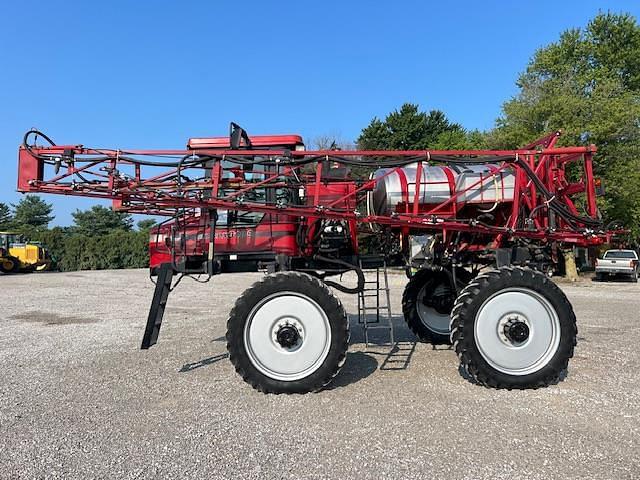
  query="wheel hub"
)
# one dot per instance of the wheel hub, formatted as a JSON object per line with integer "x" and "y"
{"x": 287, "y": 336}
{"x": 516, "y": 331}
{"x": 441, "y": 303}
{"x": 434, "y": 306}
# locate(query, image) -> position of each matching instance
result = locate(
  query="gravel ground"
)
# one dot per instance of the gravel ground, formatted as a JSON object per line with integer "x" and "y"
{"x": 78, "y": 399}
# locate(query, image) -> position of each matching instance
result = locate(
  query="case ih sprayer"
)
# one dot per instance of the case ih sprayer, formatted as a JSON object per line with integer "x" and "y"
{"x": 476, "y": 231}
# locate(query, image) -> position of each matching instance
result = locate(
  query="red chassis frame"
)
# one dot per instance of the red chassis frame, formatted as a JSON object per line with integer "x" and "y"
{"x": 161, "y": 182}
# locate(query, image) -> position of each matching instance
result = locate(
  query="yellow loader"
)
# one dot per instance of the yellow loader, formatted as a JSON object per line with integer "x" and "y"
{"x": 18, "y": 255}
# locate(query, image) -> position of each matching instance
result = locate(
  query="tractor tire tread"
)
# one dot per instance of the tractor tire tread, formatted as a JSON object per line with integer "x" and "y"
{"x": 319, "y": 292}
{"x": 410, "y": 313}
{"x": 463, "y": 320}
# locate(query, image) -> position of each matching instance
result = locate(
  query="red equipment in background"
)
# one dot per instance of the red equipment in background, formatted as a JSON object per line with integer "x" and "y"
{"x": 240, "y": 202}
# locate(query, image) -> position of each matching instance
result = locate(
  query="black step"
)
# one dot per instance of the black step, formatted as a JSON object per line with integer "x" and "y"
{"x": 158, "y": 304}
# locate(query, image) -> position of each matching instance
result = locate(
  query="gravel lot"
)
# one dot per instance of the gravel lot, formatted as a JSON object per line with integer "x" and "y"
{"x": 78, "y": 399}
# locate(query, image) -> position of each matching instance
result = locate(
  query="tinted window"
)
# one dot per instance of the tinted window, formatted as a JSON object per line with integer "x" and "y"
{"x": 238, "y": 218}
{"x": 620, "y": 254}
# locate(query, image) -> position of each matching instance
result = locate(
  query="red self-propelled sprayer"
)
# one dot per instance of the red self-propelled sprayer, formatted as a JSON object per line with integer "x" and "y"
{"x": 476, "y": 230}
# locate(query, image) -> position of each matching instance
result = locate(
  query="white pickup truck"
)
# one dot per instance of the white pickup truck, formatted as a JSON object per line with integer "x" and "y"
{"x": 617, "y": 262}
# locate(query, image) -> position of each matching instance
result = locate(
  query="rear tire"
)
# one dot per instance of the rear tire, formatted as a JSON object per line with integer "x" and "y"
{"x": 430, "y": 324}
{"x": 513, "y": 328}
{"x": 287, "y": 333}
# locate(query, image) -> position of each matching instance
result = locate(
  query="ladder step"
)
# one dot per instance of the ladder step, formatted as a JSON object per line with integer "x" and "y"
{"x": 373, "y": 311}
{"x": 370, "y": 322}
{"x": 376, "y": 286}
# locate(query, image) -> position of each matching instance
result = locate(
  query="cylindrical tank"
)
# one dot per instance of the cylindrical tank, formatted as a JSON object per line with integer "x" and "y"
{"x": 438, "y": 184}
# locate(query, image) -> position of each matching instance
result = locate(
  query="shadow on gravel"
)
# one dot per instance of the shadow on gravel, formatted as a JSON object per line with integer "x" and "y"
{"x": 392, "y": 357}
{"x": 399, "y": 357}
{"x": 471, "y": 379}
{"x": 614, "y": 279}
{"x": 359, "y": 365}
{"x": 46, "y": 318}
{"x": 401, "y": 332}
{"x": 187, "y": 367}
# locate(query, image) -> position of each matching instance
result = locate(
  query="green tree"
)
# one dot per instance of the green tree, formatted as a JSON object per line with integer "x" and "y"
{"x": 146, "y": 224}
{"x": 588, "y": 85}
{"x": 31, "y": 212}
{"x": 410, "y": 129}
{"x": 54, "y": 240}
{"x": 461, "y": 140}
{"x": 6, "y": 219}
{"x": 118, "y": 249}
{"x": 99, "y": 220}
{"x": 406, "y": 129}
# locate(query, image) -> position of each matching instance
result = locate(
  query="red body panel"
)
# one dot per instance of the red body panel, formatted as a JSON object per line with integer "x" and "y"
{"x": 29, "y": 168}
{"x": 291, "y": 141}
{"x": 276, "y": 236}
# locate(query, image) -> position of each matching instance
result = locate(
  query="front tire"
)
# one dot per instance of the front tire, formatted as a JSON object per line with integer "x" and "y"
{"x": 287, "y": 333}
{"x": 9, "y": 264}
{"x": 513, "y": 328}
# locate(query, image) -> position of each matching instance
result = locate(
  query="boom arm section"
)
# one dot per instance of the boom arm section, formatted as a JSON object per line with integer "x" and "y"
{"x": 543, "y": 205}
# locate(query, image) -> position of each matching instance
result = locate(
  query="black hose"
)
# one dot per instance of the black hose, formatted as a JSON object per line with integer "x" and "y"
{"x": 553, "y": 203}
{"x": 349, "y": 266}
{"x": 36, "y": 133}
{"x": 614, "y": 223}
{"x": 374, "y": 163}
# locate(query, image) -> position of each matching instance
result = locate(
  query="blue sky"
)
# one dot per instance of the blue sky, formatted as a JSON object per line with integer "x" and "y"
{"x": 149, "y": 74}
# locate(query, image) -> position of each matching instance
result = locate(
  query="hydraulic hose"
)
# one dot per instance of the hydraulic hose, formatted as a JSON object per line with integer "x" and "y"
{"x": 349, "y": 266}
{"x": 36, "y": 133}
{"x": 553, "y": 203}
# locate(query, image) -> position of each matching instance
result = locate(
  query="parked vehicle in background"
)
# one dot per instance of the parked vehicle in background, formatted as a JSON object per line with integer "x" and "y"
{"x": 19, "y": 255}
{"x": 617, "y": 262}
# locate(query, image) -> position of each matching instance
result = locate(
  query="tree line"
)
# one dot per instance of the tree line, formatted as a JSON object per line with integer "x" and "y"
{"x": 587, "y": 84}
{"x": 100, "y": 238}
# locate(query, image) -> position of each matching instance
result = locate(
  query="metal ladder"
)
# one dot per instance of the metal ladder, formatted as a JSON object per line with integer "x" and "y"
{"x": 371, "y": 294}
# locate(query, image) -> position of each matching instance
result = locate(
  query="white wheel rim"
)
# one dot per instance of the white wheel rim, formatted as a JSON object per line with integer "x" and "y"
{"x": 430, "y": 318}
{"x": 287, "y": 309}
{"x": 517, "y": 305}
